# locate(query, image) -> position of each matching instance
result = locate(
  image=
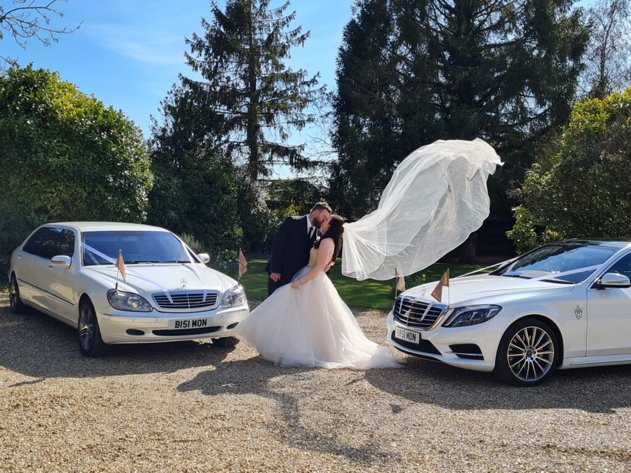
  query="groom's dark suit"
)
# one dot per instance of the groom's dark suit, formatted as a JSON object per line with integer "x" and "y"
{"x": 290, "y": 251}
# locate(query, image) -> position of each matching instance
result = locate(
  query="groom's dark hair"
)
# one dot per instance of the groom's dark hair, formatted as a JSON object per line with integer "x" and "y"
{"x": 322, "y": 206}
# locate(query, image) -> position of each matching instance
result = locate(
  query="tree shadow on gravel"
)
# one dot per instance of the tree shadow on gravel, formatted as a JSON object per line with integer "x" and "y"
{"x": 39, "y": 346}
{"x": 253, "y": 376}
{"x": 601, "y": 390}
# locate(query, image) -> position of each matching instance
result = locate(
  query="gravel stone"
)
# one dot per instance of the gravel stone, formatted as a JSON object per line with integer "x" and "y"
{"x": 195, "y": 407}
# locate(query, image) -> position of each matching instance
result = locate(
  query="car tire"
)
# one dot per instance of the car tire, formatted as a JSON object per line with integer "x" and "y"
{"x": 15, "y": 302}
{"x": 90, "y": 342}
{"x": 225, "y": 342}
{"x": 528, "y": 353}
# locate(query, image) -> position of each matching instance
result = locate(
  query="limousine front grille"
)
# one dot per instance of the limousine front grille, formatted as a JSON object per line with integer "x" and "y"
{"x": 416, "y": 313}
{"x": 186, "y": 300}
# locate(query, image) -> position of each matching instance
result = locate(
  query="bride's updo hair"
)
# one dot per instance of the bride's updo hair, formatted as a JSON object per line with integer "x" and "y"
{"x": 335, "y": 231}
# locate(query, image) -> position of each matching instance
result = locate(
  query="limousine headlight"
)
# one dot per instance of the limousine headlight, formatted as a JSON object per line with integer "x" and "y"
{"x": 128, "y": 301}
{"x": 233, "y": 297}
{"x": 471, "y": 315}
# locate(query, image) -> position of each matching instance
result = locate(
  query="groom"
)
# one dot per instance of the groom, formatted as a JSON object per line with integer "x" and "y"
{"x": 292, "y": 243}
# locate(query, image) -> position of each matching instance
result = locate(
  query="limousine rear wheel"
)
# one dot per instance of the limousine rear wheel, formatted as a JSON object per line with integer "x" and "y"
{"x": 528, "y": 353}
{"x": 14, "y": 297}
{"x": 90, "y": 341}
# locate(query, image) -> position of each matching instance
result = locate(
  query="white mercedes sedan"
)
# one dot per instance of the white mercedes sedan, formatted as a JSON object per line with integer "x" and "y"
{"x": 564, "y": 305}
{"x": 69, "y": 271}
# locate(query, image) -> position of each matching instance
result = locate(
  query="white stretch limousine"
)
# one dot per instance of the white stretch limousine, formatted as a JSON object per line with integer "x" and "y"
{"x": 68, "y": 270}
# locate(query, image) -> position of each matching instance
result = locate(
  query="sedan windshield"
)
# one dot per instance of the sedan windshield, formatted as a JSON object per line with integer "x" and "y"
{"x": 136, "y": 246}
{"x": 564, "y": 263}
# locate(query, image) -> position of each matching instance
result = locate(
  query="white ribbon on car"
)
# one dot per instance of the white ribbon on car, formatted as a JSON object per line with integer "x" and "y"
{"x": 132, "y": 273}
{"x": 567, "y": 273}
{"x": 539, "y": 278}
{"x": 192, "y": 268}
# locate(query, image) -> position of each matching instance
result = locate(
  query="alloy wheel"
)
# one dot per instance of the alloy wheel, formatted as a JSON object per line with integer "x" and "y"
{"x": 530, "y": 354}
{"x": 86, "y": 327}
{"x": 14, "y": 295}
{"x": 15, "y": 302}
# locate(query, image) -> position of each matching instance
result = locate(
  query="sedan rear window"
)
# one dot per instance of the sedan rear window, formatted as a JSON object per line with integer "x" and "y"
{"x": 136, "y": 246}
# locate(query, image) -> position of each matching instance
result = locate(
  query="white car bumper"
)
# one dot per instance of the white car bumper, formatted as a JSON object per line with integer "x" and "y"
{"x": 473, "y": 347}
{"x": 151, "y": 327}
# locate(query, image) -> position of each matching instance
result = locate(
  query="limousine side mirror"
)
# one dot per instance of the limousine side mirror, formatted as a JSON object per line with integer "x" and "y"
{"x": 613, "y": 280}
{"x": 60, "y": 261}
{"x": 204, "y": 257}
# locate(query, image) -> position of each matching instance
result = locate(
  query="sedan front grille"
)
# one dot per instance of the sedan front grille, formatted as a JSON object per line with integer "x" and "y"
{"x": 186, "y": 300}
{"x": 416, "y": 313}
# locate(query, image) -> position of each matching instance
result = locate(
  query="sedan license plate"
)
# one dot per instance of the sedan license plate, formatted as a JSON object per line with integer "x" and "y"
{"x": 407, "y": 335}
{"x": 188, "y": 323}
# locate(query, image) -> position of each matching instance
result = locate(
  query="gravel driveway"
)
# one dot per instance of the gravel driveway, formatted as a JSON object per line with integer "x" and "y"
{"x": 196, "y": 407}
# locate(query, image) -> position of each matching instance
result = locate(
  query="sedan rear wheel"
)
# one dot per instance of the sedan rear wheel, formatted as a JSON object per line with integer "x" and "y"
{"x": 528, "y": 353}
{"x": 14, "y": 297}
{"x": 90, "y": 341}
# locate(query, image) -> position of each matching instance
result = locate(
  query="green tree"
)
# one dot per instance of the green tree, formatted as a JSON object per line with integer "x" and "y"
{"x": 410, "y": 72}
{"x": 368, "y": 120}
{"x": 578, "y": 187}
{"x": 196, "y": 186}
{"x": 65, "y": 156}
{"x": 198, "y": 189}
{"x": 294, "y": 195}
{"x": 240, "y": 58}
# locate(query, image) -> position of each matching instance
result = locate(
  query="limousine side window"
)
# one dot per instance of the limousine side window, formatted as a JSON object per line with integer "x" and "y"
{"x": 50, "y": 241}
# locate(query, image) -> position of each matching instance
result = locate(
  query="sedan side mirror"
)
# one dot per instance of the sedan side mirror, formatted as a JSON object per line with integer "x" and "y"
{"x": 613, "y": 280}
{"x": 60, "y": 261}
{"x": 204, "y": 257}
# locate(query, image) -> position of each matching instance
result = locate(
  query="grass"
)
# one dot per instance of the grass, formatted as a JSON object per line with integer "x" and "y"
{"x": 369, "y": 294}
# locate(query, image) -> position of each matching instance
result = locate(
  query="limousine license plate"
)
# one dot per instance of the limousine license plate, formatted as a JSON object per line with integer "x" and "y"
{"x": 188, "y": 323}
{"x": 407, "y": 335}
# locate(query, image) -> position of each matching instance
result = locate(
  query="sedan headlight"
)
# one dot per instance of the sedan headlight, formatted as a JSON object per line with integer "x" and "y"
{"x": 128, "y": 301}
{"x": 233, "y": 297}
{"x": 471, "y": 315}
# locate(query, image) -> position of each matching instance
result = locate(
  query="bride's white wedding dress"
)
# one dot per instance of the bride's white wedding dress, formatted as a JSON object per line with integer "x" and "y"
{"x": 312, "y": 327}
{"x": 436, "y": 197}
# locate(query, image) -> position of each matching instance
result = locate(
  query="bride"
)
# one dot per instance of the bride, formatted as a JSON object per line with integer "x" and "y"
{"x": 436, "y": 197}
{"x": 306, "y": 323}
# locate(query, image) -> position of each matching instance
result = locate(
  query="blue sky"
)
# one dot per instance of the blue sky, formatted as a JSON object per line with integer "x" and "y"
{"x": 128, "y": 53}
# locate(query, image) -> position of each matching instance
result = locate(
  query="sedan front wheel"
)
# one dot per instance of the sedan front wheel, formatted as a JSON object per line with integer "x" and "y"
{"x": 528, "y": 353}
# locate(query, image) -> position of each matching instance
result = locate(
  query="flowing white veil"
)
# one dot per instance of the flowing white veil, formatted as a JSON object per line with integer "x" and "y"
{"x": 436, "y": 197}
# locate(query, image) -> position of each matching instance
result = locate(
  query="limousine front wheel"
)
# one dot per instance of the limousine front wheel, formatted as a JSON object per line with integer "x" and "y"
{"x": 14, "y": 296}
{"x": 90, "y": 341}
{"x": 528, "y": 353}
